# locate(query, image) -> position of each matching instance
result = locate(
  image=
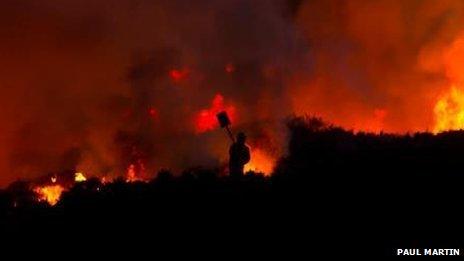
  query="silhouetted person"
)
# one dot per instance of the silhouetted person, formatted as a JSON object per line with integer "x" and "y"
{"x": 239, "y": 155}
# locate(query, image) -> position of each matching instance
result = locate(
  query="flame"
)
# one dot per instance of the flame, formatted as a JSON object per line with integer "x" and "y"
{"x": 49, "y": 193}
{"x": 449, "y": 111}
{"x": 206, "y": 119}
{"x": 79, "y": 177}
{"x": 260, "y": 162}
{"x": 449, "y": 108}
{"x": 105, "y": 180}
{"x": 131, "y": 174}
{"x": 136, "y": 172}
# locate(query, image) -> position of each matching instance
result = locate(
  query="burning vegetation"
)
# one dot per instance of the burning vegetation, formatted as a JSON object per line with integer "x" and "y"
{"x": 314, "y": 147}
{"x": 261, "y": 162}
{"x": 449, "y": 111}
{"x": 52, "y": 190}
{"x": 49, "y": 193}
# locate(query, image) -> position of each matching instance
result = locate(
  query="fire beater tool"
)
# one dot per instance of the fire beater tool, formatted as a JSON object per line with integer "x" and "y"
{"x": 225, "y": 123}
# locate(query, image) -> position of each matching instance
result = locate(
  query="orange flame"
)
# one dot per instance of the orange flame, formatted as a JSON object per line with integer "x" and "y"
{"x": 136, "y": 172}
{"x": 79, "y": 177}
{"x": 449, "y": 111}
{"x": 131, "y": 174}
{"x": 50, "y": 193}
{"x": 449, "y": 108}
{"x": 260, "y": 162}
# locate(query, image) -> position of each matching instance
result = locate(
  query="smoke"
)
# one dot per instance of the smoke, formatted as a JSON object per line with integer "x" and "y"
{"x": 89, "y": 85}
{"x": 377, "y": 65}
{"x": 100, "y": 85}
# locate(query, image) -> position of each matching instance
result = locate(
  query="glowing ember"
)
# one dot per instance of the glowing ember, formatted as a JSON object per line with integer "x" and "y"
{"x": 50, "y": 193}
{"x": 178, "y": 75}
{"x": 79, "y": 177}
{"x": 206, "y": 119}
{"x": 152, "y": 112}
{"x": 260, "y": 162}
{"x": 106, "y": 180}
{"x": 449, "y": 111}
{"x": 53, "y": 179}
{"x": 229, "y": 68}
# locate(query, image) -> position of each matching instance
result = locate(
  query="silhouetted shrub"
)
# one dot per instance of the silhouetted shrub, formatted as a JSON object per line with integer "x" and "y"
{"x": 329, "y": 174}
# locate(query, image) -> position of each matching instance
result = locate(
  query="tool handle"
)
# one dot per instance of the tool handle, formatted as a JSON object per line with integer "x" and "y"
{"x": 230, "y": 134}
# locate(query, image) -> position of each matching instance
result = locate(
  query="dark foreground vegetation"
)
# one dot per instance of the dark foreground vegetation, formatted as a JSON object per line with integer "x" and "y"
{"x": 335, "y": 191}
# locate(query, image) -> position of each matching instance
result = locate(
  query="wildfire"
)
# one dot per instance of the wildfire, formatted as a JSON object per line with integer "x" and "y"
{"x": 206, "y": 119}
{"x": 260, "y": 162}
{"x": 105, "y": 180}
{"x": 135, "y": 172}
{"x": 131, "y": 174}
{"x": 79, "y": 177}
{"x": 449, "y": 111}
{"x": 50, "y": 193}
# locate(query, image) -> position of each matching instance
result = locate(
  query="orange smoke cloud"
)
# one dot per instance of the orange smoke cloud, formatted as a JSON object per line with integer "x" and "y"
{"x": 85, "y": 83}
